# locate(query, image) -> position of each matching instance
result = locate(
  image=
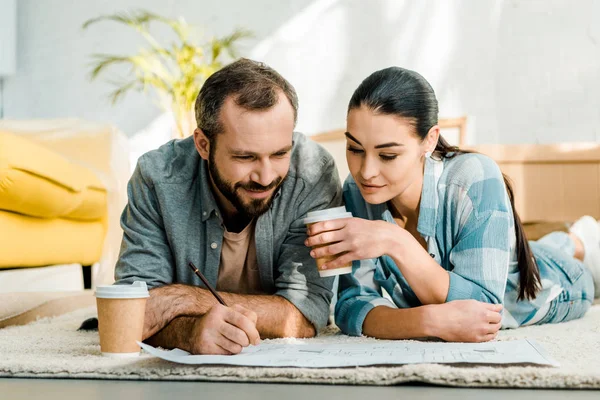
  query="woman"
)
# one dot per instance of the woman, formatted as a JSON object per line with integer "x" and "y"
{"x": 435, "y": 225}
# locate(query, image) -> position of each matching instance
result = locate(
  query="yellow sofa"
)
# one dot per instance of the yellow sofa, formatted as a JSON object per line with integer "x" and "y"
{"x": 59, "y": 195}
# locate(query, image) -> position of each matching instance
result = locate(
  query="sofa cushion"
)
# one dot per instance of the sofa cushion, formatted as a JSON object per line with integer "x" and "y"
{"x": 32, "y": 242}
{"x": 42, "y": 183}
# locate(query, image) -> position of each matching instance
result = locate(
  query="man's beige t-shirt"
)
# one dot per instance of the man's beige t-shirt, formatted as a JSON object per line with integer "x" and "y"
{"x": 238, "y": 269}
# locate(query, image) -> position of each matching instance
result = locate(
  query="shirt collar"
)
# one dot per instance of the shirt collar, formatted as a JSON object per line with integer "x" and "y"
{"x": 209, "y": 204}
{"x": 429, "y": 197}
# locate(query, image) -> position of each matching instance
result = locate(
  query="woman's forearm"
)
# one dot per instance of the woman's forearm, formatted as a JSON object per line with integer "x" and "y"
{"x": 456, "y": 321}
{"x": 399, "y": 323}
{"x": 426, "y": 277}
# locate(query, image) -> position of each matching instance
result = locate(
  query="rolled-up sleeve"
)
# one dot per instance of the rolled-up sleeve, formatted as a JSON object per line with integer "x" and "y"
{"x": 359, "y": 293}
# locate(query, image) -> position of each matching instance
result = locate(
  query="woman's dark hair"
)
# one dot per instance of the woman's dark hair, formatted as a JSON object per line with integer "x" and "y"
{"x": 406, "y": 94}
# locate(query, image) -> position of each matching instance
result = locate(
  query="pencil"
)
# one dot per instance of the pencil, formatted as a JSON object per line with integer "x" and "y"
{"x": 205, "y": 281}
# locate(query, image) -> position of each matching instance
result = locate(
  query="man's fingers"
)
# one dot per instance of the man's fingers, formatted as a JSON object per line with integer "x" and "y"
{"x": 244, "y": 323}
{"x": 247, "y": 312}
{"x": 227, "y": 346}
{"x": 494, "y": 317}
{"x": 234, "y": 334}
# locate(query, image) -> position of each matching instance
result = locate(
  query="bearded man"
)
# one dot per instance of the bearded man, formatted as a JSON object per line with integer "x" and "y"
{"x": 230, "y": 199}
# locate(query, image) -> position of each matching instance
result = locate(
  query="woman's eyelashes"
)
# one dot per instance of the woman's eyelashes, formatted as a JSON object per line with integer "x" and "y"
{"x": 384, "y": 157}
{"x": 388, "y": 157}
{"x": 354, "y": 150}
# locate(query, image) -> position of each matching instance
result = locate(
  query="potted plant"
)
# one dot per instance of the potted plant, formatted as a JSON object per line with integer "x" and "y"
{"x": 175, "y": 72}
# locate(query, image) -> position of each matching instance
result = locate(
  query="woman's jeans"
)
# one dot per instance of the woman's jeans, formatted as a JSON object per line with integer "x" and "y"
{"x": 555, "y": 255}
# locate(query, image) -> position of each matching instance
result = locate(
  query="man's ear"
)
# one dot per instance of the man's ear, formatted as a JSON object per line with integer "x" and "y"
{"x": 202, "y": 143}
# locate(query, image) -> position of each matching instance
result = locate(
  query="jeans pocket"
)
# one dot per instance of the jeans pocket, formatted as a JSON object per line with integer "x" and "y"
{"x": 569, "y": 310}
{"x": 569, "y": 266}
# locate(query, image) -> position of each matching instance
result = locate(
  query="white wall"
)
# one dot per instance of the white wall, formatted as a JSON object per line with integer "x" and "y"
{"x": 54, "y": 52}
{"x": 524, "y": 71}
{"x": 8, "y": 37}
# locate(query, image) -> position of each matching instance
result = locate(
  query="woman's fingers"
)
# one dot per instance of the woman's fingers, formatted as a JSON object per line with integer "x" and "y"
{"x": 342, "y": 260}
{"x": 494, "y": 307}
{"x": 494, "y": 328}
{"x": 328, "y": 251}
{"x": 494, "y": 317}
{"x": 325, "y": 226}
{"x": 323, "y": 238}
{"x": 489, "y": 336}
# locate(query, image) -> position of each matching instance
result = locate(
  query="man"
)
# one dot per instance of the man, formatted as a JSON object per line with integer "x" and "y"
{"x": 230, "y": 199}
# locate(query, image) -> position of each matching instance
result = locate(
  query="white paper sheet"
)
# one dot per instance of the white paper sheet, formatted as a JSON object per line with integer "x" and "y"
{"x": 381, "y": 352}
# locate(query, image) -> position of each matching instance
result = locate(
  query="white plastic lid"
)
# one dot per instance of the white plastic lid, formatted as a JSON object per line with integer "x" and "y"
{"x": 137, "y": 290}
{"x": 327, "y": 214}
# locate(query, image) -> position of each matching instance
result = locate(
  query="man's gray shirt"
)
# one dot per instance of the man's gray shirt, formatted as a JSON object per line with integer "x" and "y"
{"x": 172, "y": 218}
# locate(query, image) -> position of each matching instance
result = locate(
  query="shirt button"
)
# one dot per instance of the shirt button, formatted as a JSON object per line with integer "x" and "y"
{"x": 213, "y": 245}
{"x": 217, "y": 214}
{"x": 204, "y": 213}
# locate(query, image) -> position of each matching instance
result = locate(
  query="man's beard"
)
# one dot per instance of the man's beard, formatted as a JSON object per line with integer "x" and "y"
{"x": 252, "y": 207}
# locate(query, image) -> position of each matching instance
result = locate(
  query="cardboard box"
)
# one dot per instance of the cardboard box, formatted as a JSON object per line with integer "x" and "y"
{"x": 552, "y": 183}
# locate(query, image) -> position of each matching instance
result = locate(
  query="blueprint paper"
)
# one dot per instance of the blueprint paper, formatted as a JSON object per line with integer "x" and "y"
{"x": 380, "y": 352}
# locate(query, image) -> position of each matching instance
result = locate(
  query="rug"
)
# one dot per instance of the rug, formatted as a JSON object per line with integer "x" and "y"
{"x": 53, "y": 348}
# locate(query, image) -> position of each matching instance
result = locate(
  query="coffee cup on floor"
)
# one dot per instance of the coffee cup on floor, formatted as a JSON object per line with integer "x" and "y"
{"x": 328, "y": 215}
{"x": 121, "y": 311}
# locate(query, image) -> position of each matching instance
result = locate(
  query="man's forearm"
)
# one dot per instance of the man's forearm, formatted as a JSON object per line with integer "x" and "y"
{"x": 175, "y": 335}
{"x": 169, "y": 302}
{"x": 399, "y": 323}
{"x": 277, "y": 317}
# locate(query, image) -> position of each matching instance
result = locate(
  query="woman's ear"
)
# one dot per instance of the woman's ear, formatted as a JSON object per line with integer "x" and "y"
{"x": 431, "y": 139}
{"x": 202, "y": 143}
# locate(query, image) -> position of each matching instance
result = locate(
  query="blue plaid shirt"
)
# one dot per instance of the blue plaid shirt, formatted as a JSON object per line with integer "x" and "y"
{"x": 466, "y": 219}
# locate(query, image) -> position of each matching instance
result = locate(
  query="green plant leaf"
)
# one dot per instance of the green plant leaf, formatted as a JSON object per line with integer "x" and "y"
{"x": 121, "y": 90}
{"x": 175, "y": 71}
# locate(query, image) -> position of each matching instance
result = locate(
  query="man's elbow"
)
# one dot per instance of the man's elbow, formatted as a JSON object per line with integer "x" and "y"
{"x": 296, "y": 325}
{"x": 293, "y": 328}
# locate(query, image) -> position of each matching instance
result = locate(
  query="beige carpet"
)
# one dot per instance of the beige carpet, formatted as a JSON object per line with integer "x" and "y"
{"x": 53, "y": 348}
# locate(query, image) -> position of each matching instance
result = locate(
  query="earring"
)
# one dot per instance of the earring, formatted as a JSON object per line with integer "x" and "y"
{"x": 428, "y": 154}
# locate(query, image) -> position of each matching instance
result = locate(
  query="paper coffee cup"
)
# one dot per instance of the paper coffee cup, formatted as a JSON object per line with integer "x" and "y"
{"x": 121, "y": 311}
{"x": 328, "y": 215}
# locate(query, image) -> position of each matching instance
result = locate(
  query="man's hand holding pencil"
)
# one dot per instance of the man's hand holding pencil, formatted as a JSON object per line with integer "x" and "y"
{"x": 223, "y": 330}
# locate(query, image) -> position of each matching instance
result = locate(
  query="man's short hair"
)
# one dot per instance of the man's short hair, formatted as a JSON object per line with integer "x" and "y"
{"x": 255, "y": 85}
